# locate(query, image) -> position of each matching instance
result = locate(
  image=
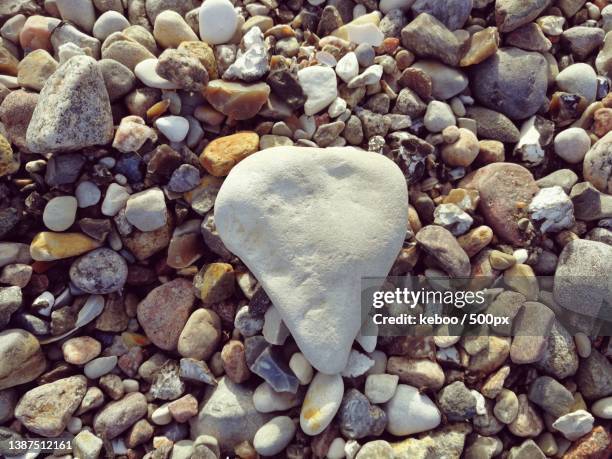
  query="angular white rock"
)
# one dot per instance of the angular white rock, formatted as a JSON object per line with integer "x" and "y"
{"x": 446, "y": 81}
{"x": 410, "y": 412}
{"x": 320, "y": 87}
{"x": 330, "y": 216}
{"x": 380, "y": 388}
{"x": 575, "y": 424}
{"x": 528, "y": 147}
{"x": 347, "y": 67}
{"x": 145, "y": 71}
{"x": 87, "y": 445}
{"x": 147, "y": 210}
{"x": 578, "y": 79}
{"x": 321, "y": 403}
{"x": 274, "y": 436}
{"x": 552, "y": 208}
{"x": 218, "y": 20}
{"x": 371, "y": 75}
{"x": 60, "y": 212}
{"x": 114, "y": 200}
{"x": 357, "y": 364}
{"x": 175, "y": 128}
{"x": 572, "y": 144}
{"x": 438, "y": 116}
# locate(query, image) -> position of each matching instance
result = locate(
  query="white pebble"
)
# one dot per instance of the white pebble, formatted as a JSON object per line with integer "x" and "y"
{"x": 438, "y": 116}
{"x": 274, "y": 436}
{"x": 572, "y": 144}
{"x": 114, "y": 200}
{"x": 336, "y": 449}
{"x": 161, "y": 416}
{"x": 424, "y": 414}
{"x": 218, "y": 21}
{"x": 87, "y": 194}
{"x": 583, "y": 345}
{"x": 60, "y": 212}
{"x": 320, "y": 87}
{"x": 602, "y": 408}
{"x": 578, "y": 79}
{"x": 267, "y": 400}
{"x": 147, "y": 210}
{"x": 380, "y": 388}
{"x": 357, "y": 364}
{"x": 100, "y": 366}
{"x": 108, "y": 23}
{"x": 79, "y": 12}
{"x": 301, "y": 368}
{"x": 351, "y": 448}
{"x": 175, "y": 128}
{"x": 369, "y": 76}
{"x": 520, "y": 255}
{"x": 46, "y": 300}
{"x": 321, "y": 403}
{"x": 347, "y": 67}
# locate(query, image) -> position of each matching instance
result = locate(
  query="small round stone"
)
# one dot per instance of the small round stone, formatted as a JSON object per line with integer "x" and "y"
{"x": 80, "y": 350}
{"x": 100, "y": 366}
{"x": 218, "y": 21}
{"x": 274, "y": 436}
{"x": 87, "y": 194}
{"x": 100, "y": 271}
{"x": 60, "y": 213}
{"x": 572, "y": 144}
{"x": 438, "y": 116}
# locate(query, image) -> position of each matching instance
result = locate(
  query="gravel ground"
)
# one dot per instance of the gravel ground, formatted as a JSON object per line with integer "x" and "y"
{"x": 191, "y": 193}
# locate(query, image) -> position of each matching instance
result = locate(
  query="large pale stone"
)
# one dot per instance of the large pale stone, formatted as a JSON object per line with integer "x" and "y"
{"x": 73, "y": 110}
{"x": 309, "y": 224}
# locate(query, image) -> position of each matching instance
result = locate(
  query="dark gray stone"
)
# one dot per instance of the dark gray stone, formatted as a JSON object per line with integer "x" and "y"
{"x": 513, "y": 82}
{"x": 457, "y": 402}
{"x": 358, "y": 418}
{"x": 452, "y": 13}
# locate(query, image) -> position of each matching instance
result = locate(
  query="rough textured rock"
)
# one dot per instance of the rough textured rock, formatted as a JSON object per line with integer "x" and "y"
{"x": 73, "y": 110}
{"x": 21, "y": 358}
{"x": 503, "y": 188}
{"x": 46, "y": 409}
{"x": 298, "y": 196}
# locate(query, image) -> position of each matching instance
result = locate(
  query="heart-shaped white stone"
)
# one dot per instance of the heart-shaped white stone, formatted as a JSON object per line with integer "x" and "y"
{"x": 310, "y": 223}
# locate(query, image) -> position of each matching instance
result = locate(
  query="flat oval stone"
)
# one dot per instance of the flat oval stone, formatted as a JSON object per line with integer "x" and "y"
{"x": 286, "y": 201}
{"x": 116, "y": 417}
{"x": 218, "y": 21}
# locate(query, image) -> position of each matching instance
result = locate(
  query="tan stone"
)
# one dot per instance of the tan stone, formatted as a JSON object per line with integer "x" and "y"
{"x": 223, "y": 153}
{"x": 8, "y": 62}
{"x": 240, "y": 101}
{"x": 491, "y": 151}
{"x": 35, "y": 69}
{"x": 214, "y": 282}
{"x": 521, "y": 278}
{"x": 483, "y": 44}
{"x": 476, "y": 240}
{"x": 201, "y": 335}
{"x": 9, "y": 163}
{"x": 48, "y": 246}
{"x": 500, "y": 260}
{"x": 36, "y": 33}
{"x": 205, "y": 55}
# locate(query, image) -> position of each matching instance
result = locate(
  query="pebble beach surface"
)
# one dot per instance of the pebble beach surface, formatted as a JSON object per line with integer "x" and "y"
{"x": 191, "y": 193}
